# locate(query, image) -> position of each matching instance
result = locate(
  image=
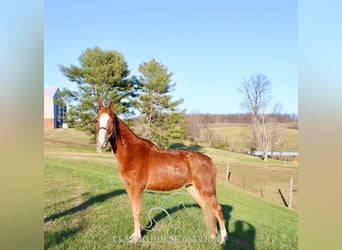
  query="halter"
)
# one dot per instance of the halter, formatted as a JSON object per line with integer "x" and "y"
{"x": 113, "y": 133}
{"x": 106, "y": 131}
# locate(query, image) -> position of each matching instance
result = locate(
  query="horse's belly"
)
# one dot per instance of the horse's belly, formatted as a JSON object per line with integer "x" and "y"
{"x": 167, "y": 179}
{"x": 163, "y": 186}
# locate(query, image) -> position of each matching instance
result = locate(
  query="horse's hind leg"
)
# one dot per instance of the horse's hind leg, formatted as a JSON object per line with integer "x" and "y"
{"x": 216, "y": 208}
{"x": 209, "y": 216}
{"x": 195, "y": 194}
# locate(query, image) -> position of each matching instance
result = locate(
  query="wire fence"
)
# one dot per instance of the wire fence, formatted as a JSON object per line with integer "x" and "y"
{"x": 276, "y": 184}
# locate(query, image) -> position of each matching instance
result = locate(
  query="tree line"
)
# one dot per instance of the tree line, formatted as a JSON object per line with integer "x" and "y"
{"x": 243, "y": 118}
{"x": 105, "y": 74}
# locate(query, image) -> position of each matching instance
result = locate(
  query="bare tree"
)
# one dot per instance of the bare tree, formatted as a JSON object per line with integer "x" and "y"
{"x": 198, "y": 128}
{"x": 267, "y": 133}
{"x": 194, "y": 126}
{"x": 256, "y": 93}
{"x": 209, "y": 134}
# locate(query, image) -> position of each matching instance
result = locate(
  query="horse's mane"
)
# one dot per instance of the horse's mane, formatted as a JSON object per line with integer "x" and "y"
{"x": 150, "y": 143}
{"x": 146, "y": 141}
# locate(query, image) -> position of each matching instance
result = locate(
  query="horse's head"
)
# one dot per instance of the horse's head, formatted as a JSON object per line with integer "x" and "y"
{"x": 106, "y": 124}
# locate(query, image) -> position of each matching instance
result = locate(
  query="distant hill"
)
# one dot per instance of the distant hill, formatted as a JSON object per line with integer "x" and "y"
{"x": 231, "y": 131}
{"x": 240, "y": 118}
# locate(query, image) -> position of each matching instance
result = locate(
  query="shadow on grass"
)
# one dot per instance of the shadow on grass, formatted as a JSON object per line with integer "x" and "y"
{"x": 55, "y": 238}
{"x": 243, "y": 236}
{"x": 165, "y": 213}
{"x": 181, "y": 146}
{"x": 84, "y": 205}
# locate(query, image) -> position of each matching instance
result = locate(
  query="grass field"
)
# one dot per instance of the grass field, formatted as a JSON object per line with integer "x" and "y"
{"x": 86, "y": 206}
{"x": 252, "y": 174}
{"x": 239, "y": 136}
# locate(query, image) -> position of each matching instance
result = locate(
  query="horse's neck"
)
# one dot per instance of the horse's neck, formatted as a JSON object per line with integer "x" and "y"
{"x": 124, "y": 139}
{"x": 124, "y": 132}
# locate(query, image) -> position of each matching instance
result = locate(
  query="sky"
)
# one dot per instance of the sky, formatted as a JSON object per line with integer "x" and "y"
{"x": 209, "y": 46}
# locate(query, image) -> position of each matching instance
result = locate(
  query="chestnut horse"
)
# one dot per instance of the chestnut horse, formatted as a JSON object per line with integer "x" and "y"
{"x": 143, "y": 165}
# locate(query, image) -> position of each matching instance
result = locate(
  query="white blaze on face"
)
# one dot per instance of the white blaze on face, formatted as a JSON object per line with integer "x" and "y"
{"x": 101, "y": 137}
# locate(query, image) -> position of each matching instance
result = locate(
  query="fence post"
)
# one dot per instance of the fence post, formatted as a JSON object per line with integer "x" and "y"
{"x": 261, "y": 192}
{"x": 290, "y": 195}
{"x": 227, "y": 171}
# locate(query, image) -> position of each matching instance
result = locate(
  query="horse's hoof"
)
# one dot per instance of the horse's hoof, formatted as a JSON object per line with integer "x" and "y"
{"x": 134, "y": 238}
{"x": 212, "y": 237}
{"x": 224, "y": 240}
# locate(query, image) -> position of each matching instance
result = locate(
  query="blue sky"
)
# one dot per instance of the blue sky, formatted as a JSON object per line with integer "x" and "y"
{"x": 209, "y": 46}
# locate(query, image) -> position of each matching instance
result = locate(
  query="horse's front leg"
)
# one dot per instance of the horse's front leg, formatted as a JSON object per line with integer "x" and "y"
{"x": 135, "y": 198}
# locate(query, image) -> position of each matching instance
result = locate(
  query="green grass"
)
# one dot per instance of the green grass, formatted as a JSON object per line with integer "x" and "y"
{"x": 86, "y": 207}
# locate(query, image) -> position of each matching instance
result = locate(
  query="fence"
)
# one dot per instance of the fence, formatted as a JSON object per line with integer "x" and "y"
{"x": 275, "y": 184}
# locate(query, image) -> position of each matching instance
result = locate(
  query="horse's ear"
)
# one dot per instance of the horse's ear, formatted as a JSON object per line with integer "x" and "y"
{"x": 111, "y": 106}
{"x": 99, "y": 104}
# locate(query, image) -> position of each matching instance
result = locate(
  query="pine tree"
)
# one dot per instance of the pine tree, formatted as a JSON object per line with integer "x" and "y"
{"x": 161, "y": 115}
{"x": 101, "y": 74}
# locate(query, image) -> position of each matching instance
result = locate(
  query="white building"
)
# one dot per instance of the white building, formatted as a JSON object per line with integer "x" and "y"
{"x": 53, "y": 113}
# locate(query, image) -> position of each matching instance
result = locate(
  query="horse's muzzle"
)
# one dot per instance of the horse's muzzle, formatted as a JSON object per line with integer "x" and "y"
{"x": 102, "y": 139}
{"x": 102, "y": 145}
